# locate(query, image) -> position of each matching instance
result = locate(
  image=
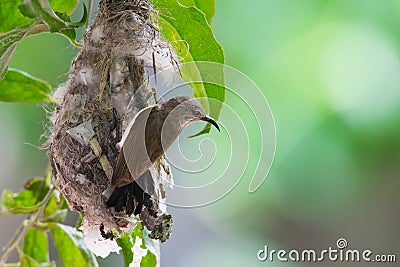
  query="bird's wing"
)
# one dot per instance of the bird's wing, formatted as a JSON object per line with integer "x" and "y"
{"x": 121, "y": 175}
{"x": 133, "y": 159}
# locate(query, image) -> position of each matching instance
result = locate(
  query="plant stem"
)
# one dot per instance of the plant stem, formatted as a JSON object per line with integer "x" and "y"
{"x": 89, "y": 13}
{"x": 16, "y": 239}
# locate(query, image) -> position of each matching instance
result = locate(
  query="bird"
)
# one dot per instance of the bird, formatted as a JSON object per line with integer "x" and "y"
{"x": 146, "y": 138}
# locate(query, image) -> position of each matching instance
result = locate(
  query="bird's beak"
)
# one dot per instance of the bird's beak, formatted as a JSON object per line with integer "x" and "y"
{"x": 212, "y": 121}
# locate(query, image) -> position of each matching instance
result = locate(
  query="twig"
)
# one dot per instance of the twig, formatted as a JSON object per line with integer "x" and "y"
{"x": 16, "y": 239}
{"x": 89, "y": 13}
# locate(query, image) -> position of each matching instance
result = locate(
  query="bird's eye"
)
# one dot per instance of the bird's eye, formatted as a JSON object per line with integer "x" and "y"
{"x": 197, "y": 113}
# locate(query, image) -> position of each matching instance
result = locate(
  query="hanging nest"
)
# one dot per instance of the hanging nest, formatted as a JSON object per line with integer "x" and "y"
{"x": 121, "y": 49}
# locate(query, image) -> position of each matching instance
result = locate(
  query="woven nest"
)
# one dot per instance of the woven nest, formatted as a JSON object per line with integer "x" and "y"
{"x": 109, "y": 72}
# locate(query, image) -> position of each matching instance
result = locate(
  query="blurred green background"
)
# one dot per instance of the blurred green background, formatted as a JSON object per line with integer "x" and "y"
{"x": 330, "y": 71}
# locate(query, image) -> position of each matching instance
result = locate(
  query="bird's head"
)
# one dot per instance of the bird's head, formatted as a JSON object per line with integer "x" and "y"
{"x": 186, "y": 110}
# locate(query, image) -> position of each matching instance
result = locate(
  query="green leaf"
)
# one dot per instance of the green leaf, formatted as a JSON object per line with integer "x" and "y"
{"x": 18, "y": 203}
{"x": 14, "y": 23}
{"x": 26, "y": 201}
{"x": 56, "y": 208}
{"x": 206, "y": 6}
{"x": 70, "y": 32}
{"x": 64, "y": 16}
{"x": 127, "y": 242}
{"x": 72, "y": 250}
{"x": 27, "y": 261}
{"x": 47, "y": 177}
{"x": 149, "y": 260}
{"x": 36, "y": 245}
{"x": 58, "y": 217}
{"x": 205, "y": 130}
{"x": 83, "y": 19}
{"x": 51, "y": 207}
{"x": 79, "y": 222}
{"x": 64, "y": 6}
{"x": 9, "y": 43}
{"x": 42, "y": 10}
{"x": 187, "y": 29}
{"x": 10, "y": 16}
{"x": 18, "y": 86}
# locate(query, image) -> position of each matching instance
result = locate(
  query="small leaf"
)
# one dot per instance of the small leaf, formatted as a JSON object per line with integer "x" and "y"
{"x": 126, "y": 242}
{"x": 206, "y": 6}
{"x": 79, "y": 222}
{"x": 70, "y": 34}
{"x": 72, "y": 250}
{"x": 134, "y": 249}
{"x": 83, "y": 19}
{"x": 51, "y": 207}
{"x": 18, "y": 86}
{"x": 64, "y": 16}
{"x": 58, "y": 217}
{"x": 45, "y": 20}
{"x": 38, "y": 187}
{"x": 153, "y": 246}
{"x": 47, "y": 177}
{"x": 55, "y": 210}
{"x": 36, "y": 245}
{"x": 64, "y": 6}
{"x": 56, "y": 204}
{"x": 10, "y": 16}
{"x": 205, "y": 130}
{"x": 9, "y": 43}
{"x": 193, "y": 40}
{"x": 17, "y": 204}
{"x": 26, "y": 201}
{"x": 27, "y": 261}
{"x": 149, "y": 260}
{"x": 41, "y": 9}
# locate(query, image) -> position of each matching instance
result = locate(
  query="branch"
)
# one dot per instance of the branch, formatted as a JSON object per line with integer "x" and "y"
{"x": 16, "y": 239}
